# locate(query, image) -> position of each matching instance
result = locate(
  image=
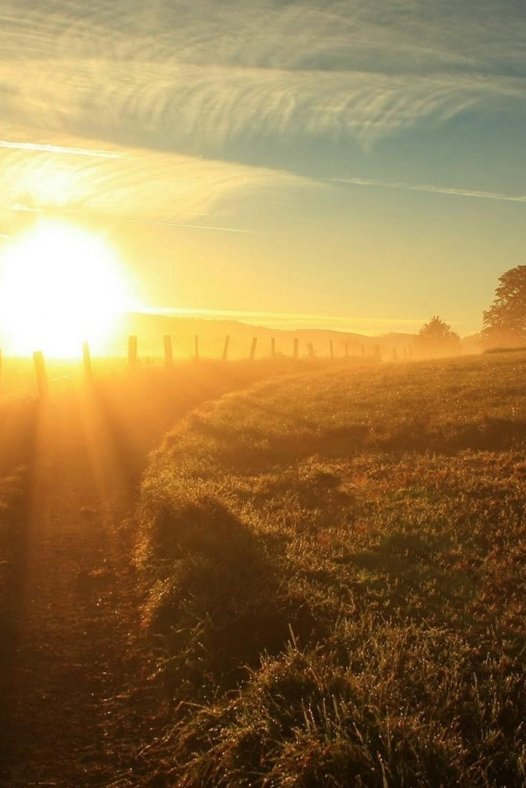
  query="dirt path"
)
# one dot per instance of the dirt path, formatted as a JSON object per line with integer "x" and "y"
{"x": 67, "y": 716}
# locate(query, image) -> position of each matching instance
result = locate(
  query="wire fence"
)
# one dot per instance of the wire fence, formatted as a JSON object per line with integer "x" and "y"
{"x": 19, "y": 376}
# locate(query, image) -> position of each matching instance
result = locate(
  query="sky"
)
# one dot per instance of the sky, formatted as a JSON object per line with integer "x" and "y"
{"x": 355, "y": 164}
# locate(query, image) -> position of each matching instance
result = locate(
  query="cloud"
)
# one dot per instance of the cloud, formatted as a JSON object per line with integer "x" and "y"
{"x": 145, "y": 186}
{"x": 297, "y": 320}
{"x": 109, "y": 106}
{"x": 205, "y": 227}
{"x": 182, "y": 76}
{"x": 39, "y": 147}
{"x": 413, "y": 187}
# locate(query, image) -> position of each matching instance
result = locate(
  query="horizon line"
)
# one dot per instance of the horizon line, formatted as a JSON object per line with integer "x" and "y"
{"x": 367, "y": 326}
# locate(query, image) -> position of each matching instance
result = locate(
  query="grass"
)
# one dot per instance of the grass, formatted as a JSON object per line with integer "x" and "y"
{"x": 335, "y": 580}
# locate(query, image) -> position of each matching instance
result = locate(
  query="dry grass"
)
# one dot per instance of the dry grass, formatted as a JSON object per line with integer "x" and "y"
{"x": 335, "y": 580}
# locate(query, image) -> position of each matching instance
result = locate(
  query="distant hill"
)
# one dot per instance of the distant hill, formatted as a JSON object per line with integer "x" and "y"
{"x": 211, "y": 333}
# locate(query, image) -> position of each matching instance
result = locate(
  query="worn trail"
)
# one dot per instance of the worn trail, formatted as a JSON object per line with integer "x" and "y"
{"x": 67, "y": 715}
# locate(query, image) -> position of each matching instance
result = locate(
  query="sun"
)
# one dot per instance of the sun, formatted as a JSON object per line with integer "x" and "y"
{"x": 60, "y": 285}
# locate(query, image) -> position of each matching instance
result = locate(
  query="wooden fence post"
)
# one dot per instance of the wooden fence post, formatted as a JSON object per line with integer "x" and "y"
{"x": 273, "y": 347}
{"x": 331, "y": 348}
{"x": 196, "y": 347}
{"x": 40, "y": 370}
{"x": 296, "y": 348}
{"x": 168, "y": 351}
{"x": 86, "y": 362}
{"x": 225, "y": 349}
{"x": 132, "y": 353}
{"x": 253, "y": 348}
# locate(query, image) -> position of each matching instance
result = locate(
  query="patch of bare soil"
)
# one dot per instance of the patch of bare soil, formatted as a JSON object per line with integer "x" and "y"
{"x": 69, "y": 665}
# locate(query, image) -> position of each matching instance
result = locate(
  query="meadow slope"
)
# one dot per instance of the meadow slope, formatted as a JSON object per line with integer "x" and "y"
{"x": 70, "y": 466}
{"x": 334, "y": 580}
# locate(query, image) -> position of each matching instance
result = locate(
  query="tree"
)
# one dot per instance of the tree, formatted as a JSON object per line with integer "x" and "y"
{"x": 504, "y": 322}
{"x": 436, "y": 338}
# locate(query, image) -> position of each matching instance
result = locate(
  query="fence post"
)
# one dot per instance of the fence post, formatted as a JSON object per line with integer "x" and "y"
{"x": 132, "y": 353}
{"x": 40, "y": 370}
{"x": 296, "y": 348}
{"x": 86, "y": 362}
{"x": 331, "y": 347}
{"x": 273, "y": 347}
{"x": 225, "y": 349}
{"x": 196, "y": 347}
{"x": 253, "y": 348}
{"x": 168, "y": 351}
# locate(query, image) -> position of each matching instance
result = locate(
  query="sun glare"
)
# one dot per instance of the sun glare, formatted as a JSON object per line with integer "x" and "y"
{"x": 60, "y": 285}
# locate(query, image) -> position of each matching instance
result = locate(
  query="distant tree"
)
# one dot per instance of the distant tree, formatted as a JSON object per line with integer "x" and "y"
{"x": 437, "y": 338}
{"x": 504, "y": 323}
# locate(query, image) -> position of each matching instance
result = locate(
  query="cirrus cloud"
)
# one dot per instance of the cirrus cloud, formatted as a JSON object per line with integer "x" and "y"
{"x": 182, "y": 74}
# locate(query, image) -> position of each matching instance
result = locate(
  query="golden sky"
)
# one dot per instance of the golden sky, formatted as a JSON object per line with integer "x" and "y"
{"x": 355, "y": 164}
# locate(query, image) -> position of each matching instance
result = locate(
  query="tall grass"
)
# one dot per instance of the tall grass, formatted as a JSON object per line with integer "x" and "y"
{"x": 335, "y": 580}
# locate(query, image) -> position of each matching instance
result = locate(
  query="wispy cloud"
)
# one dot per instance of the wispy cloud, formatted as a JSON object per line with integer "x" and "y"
{"x": 41, "y": 147}
{"x": 143, "y": 186}
{"x": 208, "y": 228}
{"x": 414, "y": 187}
{"x": 197, "y": 76}
{"x": 298, "y": 320}
{"x": 133, "y": 98}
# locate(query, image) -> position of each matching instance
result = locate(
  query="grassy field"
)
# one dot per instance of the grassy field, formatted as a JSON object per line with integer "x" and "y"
{"x": 70, "y": 468}
{"x": 334, "y": 574}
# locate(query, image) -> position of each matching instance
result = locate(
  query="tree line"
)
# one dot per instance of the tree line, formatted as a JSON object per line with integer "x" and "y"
{"x": 503, "y": 324}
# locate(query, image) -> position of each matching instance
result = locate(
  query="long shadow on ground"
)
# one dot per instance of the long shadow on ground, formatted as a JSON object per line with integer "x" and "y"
{"x": 220, "y": 606}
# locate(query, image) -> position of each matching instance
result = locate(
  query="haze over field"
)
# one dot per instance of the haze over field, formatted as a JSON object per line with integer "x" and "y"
{"x": 262, "y": 401}
{"x": 358, "y": 162}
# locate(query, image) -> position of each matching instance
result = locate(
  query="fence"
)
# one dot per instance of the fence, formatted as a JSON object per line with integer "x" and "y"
{"x": 132, "y": 361}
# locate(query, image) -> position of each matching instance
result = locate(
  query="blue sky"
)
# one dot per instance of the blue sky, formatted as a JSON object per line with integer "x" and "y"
{"x": 361, "y": 162}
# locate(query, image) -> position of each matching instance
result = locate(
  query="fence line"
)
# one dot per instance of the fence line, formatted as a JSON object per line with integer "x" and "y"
{"x": 132, "y": 353}
{"x": 225, "y": 349}
{"x": 133, "y": 360}
{"x": 86, "y": 361}
{"x": 168, "y": 351}
{"x": 40, "y": 372}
